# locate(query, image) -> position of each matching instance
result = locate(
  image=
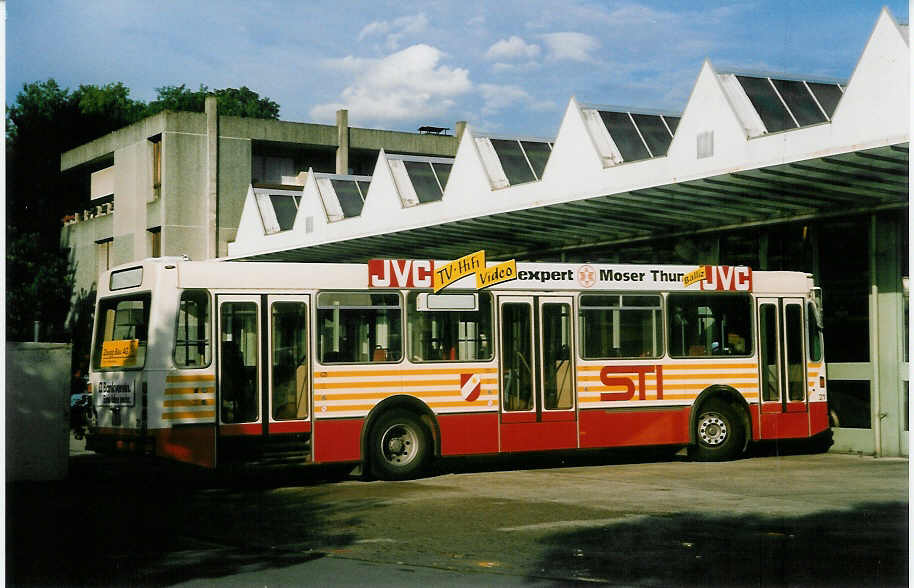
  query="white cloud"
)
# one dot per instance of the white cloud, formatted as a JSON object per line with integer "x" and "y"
{"x": 512, "y": 48}
{"x": 394, "y": 31}
{"x": 406, "y": 85}
{"x": 498, "y": 97}
{"x": 570, "y": 46}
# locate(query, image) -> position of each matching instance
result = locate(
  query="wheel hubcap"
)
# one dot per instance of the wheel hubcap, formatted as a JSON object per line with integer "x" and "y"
{"x": 712, "y": 429}
{"x": 399, "y": 445}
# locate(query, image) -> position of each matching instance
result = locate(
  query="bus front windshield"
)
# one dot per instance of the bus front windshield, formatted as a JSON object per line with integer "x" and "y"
{"x": 121, "y": 332}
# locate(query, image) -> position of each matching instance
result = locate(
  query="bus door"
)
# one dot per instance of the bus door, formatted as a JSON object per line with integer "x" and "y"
{"x": 782, "y": 368}
{"x": 239, "y": 371}
{"x": 537, "y": 373}
{"x": 288, "y": 374}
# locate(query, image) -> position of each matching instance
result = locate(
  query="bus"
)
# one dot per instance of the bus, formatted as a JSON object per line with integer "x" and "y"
{"x": 221, "y": 363}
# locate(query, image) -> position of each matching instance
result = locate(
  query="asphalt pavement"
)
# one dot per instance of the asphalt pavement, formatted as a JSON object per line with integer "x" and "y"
{"x": 620, "y": 518}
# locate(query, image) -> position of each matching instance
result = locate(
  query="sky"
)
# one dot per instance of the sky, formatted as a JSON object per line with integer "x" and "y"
{"x": 506, "y": 66}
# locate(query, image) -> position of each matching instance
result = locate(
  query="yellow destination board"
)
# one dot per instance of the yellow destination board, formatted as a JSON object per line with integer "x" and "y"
{"x": 119, "y": 353}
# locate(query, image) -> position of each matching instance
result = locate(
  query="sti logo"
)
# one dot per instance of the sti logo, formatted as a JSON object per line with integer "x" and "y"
{"x": 400, "y": 273}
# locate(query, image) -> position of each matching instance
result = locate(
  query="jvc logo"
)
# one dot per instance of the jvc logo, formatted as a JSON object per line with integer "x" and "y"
{"x": 400, "y": 273}
{"x": 727, "y": 278}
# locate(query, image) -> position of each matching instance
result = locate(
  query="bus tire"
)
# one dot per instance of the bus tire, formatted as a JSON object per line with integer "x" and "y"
{"x": 719, "y": 433}
{"x": 398, "y": 446}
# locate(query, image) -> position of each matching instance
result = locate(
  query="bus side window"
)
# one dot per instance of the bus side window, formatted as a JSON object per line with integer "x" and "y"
{"x": 449, "y": 335}
{"x": 359, "y": 327}
{"x": 193, "y": 337}
{"x": 702, "y": 325}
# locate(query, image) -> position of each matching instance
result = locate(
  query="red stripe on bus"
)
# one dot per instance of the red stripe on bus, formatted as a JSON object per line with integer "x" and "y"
{"x": 291, "y": 427}
{"x": 241, "y": 429}
{"x": 337, "y": 440}
{"x": 189, "y": 444}
{"x": 818, "y": 417}
{"x": 539, "y": 437}
{"x": 602, "y": 428}
{"x": 468, "y": 433}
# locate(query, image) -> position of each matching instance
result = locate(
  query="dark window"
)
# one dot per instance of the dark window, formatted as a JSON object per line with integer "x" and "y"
{"x": 703, "y": 325}
{"x": 423, "y": 179}
{"x": 289, "y": 360}
{"x": 193, "y": 337}
{"x": 800, "y": 102}
{"x": 845, "y": 280}
{"x": 766, "y": 103}
{"x": 444, "y": 171}
{"x": 672, "y": 122}
{"x": 624, "y": 135}
{"x": 828, "y": 96}
{"x": 517, "y": 356}
{"x": 513, "y": 162}
{"x": 850, "y": 402}
{"x": 349, "y": 197}
{"x": 239, "y": 384}
{"x": 538, "y": 154}
{"x": 653, "y": 130}
{"x": 285, "y": 209}
{"x": 815, "y": 333}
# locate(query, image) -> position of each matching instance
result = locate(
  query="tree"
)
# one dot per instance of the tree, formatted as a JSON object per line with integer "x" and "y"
{"x": 242, "y": 101}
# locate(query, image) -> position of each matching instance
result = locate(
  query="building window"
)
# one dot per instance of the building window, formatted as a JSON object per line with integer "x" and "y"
{"x": 849, "y": 401}
{"x": 156, "y": 166}
{"x": 103, "y": 255}
{"x": 844, "y": 275}
{"x": 155, "y": 242}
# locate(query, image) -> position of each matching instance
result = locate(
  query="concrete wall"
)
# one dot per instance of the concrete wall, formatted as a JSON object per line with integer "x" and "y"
{"x": 37, "y": 405}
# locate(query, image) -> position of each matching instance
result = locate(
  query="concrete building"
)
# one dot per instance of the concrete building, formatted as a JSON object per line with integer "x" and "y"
{"x": 175, "y": 183}
{"x": 771, "y": 171}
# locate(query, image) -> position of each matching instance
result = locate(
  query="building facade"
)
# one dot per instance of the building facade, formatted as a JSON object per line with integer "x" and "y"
{"x": 175, "y": 183}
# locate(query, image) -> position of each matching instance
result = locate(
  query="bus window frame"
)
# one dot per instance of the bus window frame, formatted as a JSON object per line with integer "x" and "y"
{"x": 751, "y": 343}
{"x": 316, "y": 326}
{"x": 662, "y": 343}
{"x": 146, "y": 297}
{"x": 493, "y": 326}
{"x": 212, "y": 351}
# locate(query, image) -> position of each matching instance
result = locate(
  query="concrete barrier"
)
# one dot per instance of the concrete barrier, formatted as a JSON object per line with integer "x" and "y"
{"x": 37, "y": 405}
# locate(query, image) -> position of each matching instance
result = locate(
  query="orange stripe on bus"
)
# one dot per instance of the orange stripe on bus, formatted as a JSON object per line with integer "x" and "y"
{"x": 197, "y": 390}
{"x": 193, "y": 402}
{"x": 205, "y": 414}
{"x": 403, "y": 372}
{"x": 381, "y": 395}
{"x": 189, "y": 378}
{"x": 391, "y": 384}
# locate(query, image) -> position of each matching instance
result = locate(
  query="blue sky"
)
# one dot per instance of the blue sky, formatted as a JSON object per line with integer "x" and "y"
{"x": 506, "y": 66}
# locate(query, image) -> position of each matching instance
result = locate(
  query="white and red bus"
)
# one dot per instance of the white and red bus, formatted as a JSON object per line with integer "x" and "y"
{"x": 221, "y": 362}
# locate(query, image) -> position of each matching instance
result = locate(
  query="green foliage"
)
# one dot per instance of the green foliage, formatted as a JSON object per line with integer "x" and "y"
{"x": 39, "y": 286}
{"x": 242, "y": 102}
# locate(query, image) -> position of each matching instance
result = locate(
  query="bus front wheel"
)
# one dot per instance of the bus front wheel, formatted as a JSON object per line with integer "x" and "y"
{"x": 719, "y": 433}
{"x": 399, "y": 446}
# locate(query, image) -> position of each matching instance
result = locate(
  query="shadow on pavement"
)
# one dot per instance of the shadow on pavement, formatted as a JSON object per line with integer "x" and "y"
{"x": 866, "y": 546}
{"x": 118, "y": 523}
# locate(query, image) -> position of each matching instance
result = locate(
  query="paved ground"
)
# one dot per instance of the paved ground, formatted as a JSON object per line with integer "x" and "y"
{"x": 623, "y": 519}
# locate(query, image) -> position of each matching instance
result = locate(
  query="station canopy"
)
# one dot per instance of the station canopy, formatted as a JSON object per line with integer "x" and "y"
{"x": 749, "y": 149}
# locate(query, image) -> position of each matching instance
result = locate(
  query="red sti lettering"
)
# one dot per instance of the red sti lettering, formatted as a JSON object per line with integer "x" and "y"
{"x": 400, "y": 273}
{"x": 727, "y": 278}
{"x": 629, "y": 393}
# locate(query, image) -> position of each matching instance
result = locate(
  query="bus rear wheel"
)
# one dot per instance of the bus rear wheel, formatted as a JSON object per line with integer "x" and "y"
{"x": 399, "y": 446}
{"x": 719, "y": 433}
